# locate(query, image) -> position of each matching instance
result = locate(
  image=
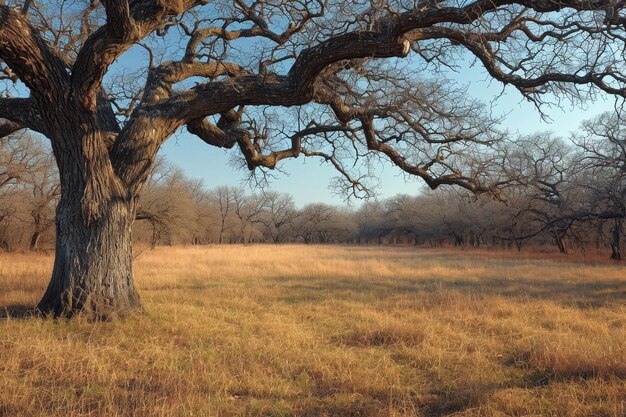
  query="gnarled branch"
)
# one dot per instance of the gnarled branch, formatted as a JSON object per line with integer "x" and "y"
{"x": 28, "y": 55}
{"x": 7, "y": 128}
{"x": 18, "y": 114}
{"x": 126, "y": 25}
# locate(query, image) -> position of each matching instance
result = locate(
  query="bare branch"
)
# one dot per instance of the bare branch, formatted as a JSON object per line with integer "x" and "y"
{"x": 7, "y": 128}
{"x": 126, "y": 25}
{"x": 18, "y": 114}
{"x": 120, "y": 26}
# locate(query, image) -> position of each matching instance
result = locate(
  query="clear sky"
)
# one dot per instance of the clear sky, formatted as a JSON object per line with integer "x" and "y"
{"x": 308, "y": 180}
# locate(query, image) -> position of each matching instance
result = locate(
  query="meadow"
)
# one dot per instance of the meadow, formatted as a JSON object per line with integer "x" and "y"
{"x": 301, "y": 330}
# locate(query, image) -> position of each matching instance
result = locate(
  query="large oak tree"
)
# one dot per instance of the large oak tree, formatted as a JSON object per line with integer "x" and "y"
{"x": 346, "y": 81}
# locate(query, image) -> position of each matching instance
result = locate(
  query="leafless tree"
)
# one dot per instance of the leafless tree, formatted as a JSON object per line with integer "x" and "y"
{"x": 322, "y": 223}
{"x": 249, "y": 212}
{"x": 372, "y": 222}
{"x": 18, "y": 158}
{"x": 542, "y": 168}
{"x": 602, "y": 143}
{"x": 42, "y": 182}
{"x": 335, "y": 70}
{"x": 279, "y": 214}
{"x": 28, "y": 187}
{"x": 223, "y": 201}
{"x": 168, "y": 204}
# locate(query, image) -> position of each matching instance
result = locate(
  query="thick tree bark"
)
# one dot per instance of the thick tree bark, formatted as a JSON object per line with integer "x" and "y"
{"x": 92, "y": 272}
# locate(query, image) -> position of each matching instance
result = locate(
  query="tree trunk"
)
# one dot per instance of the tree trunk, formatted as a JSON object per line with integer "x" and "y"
{"x": 616, "y": 247}
{"x": 155, "y": 236}
{"x": 34, "y": 240}
{"x": 560, "y": 242}
{"x": 92, "y": 273}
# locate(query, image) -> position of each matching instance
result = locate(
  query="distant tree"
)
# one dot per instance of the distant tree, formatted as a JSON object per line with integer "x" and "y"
{"x": 313, "y": 220}
{"x": 602, "y": 143}
{"x": 542, "y": 167}
{"x": 249, "y": 212}
{"x": 373, "y": 222}
{"x": 29, "y": 187}
{"x": 322, "y": 223}
{"x": 169, "y": 206}
{"x": 42, "y": 183}
{"x": 19, "y": 156}
{"x": 223, "y": 200}
{"x": 279, "y": 213}
{"x": 15, "y": 162}
{"x": 398, "y": 212}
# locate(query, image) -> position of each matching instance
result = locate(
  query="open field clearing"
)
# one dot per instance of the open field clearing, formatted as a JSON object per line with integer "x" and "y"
{"x": 325, "y": 331}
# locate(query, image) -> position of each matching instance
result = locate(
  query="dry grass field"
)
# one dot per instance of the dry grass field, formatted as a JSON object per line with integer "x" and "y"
{"x": 325, "y": 331}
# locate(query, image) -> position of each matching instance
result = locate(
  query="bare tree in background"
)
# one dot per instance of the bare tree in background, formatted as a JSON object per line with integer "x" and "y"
{"x": 28, "y": 187}
{"x": 249, "y": 212}
{"x": 346, "y": 81}
{"x": 224, "y": 205}
{"x": 372, "y": 222}
{"x": 18, "y": 158}
{"x": 602, "y": 143}
{"x": 42, "y": 182}
{"x": 279, "y": 215}
{"x": 168, "y": 205}
{"x": 543, "y": 168}
{"x": 322, "y": 223}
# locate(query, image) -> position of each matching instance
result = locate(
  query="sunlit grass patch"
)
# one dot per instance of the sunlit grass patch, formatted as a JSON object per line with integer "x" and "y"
{"x": 325, "y": 331}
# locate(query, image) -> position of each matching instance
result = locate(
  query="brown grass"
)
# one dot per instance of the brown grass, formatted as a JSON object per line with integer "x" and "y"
{"x": 325, "y": 331}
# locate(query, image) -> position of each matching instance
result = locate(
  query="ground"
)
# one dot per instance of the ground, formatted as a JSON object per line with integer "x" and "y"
{"x": 326, "y": 331}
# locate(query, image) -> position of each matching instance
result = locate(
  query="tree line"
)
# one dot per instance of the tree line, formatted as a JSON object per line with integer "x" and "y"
{"x": 567, "y": 192}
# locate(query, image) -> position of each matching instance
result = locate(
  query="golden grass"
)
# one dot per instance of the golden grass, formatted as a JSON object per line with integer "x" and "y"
{"x": 326, "y": 331}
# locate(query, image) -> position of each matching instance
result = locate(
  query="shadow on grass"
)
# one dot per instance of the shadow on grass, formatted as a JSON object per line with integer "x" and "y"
{"x": 576, "y": 294}
{"x": 18, "y": 312}
{"x": 332, "y": 398}
{"x": 455, "y": 403}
